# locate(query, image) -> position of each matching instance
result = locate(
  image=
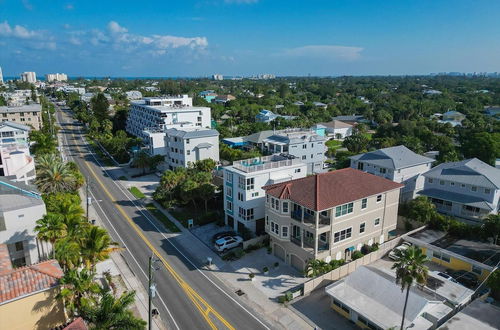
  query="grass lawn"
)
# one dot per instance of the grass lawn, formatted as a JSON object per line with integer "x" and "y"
{"x": 162, "y": 218}
{"x": 333, "y": 144}
{"x": 136, "y": 192}
{"x": 199, "y": 216}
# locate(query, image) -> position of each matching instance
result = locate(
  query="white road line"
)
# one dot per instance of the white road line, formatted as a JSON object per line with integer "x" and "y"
{"x": 140, "y": 209}
{"x": 125, "y": 245}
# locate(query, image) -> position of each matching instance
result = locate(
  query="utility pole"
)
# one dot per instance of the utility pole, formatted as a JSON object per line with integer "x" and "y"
{"x": 151, "y": 291}
{"x": 87, "y": 195}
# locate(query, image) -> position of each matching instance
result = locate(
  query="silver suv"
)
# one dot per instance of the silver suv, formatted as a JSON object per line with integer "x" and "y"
{"x": 227, "y": 242}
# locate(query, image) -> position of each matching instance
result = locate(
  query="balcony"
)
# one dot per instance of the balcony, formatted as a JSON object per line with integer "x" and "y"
{"x": 309, "y": 242}
{"x": 324, "y": 220}
{"x": 297, "y": 215}
{"x": 295, "y": 240}
{"x": 323, "y": 246}
{"x": 309, "y": 219}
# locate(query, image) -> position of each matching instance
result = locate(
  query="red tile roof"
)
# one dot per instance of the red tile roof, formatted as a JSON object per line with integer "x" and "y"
{"x": 76, "y": 324}
{"x": 5, "y": 264}
{"x": 25, "y": 280}
{"x": 323, "y": 191}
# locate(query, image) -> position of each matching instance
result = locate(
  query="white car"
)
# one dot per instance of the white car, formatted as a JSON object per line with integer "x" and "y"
{"x": 404, "y": 246}
{"x": 444, "y": 275}
{"x": 227, "y": 242}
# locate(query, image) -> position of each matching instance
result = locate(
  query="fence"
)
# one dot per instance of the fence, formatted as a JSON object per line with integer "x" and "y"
{"x": 254, "y": 241}
{"x": 336, "y": 274}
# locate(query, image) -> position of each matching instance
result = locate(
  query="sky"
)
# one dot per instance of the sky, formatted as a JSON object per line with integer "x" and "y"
{"x": 127, "y": 38}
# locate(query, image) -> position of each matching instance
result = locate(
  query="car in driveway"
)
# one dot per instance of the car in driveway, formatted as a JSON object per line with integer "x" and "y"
{"x": 228, "y": 242}
{"x": 393, "y": 254}
{"x": 465, "y": 278}
{"x": 223, "y": 234}
{"x": 444, "y": 275}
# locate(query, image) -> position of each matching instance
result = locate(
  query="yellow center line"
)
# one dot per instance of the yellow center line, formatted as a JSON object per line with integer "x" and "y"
{"x": 204, "y": 308}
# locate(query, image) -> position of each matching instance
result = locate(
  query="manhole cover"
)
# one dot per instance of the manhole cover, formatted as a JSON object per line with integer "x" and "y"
{"x": 240, "y": 293}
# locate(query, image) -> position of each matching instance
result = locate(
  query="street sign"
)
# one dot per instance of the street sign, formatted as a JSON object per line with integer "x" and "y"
{"x": 190, "y": 223}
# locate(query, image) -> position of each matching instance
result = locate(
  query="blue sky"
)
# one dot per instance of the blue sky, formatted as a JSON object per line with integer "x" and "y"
{"x": 244, "y": 37}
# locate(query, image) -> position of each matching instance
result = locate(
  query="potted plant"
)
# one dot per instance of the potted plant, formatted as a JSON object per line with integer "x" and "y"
{"x": 265, "y": 270}
{"x": 252, "y": 276}
{"x": 276, "y": 265}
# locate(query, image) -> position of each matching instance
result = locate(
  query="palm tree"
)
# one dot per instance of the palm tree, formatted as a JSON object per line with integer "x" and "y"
{"x": 142, "y": 160}
{"x": 109, "y": 312}
{"x": 68, "y": 253}
{"x": 50, "y": 228}
{"x": 491, "y": 226}
{"x": 78, "y": 288}
{"x": 96, "y": 245}
{"x": 410, "y": 268}
{"x": 53, "y": 175}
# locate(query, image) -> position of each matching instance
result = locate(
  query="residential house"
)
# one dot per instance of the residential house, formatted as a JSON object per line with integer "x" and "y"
{"x": 223, "y": 99}
{"x": 305, "y": 145}
{"x": 398, "y": 164}
{"x": 320, "y": 105}
{"x": 26, "y": 114}
{"x": 454, "y": 118}
{"x": 157, "y": 113}
{"x": 244, "y": 197}
{"x": 252, "y": 140}
{"x": 20, "y": 207}
{"x": 133, "y": 95}
{"x": 328, "y": 216}
{"x": 371, "y": 299}
{"x": 469, "y": 189}
{"x": 28, "y": 295}
{"x": 478, "y": 315}
{"x": 353, "y": 120}
{"x": 208, "y": 95}
{"x": 492, "y": 112}
{"x": 431, "y": 92}
{"x": 298, "y": 103}
{"x": 267, "y": 116}
{"x": 335, "y": 128}
{"x": 15, "y": 158}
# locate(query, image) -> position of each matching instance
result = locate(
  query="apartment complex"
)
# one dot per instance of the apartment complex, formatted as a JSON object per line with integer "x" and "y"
{"x": 469, "y": 189}
{"x": 27, "y": 114}
{"x": 156, "y": 113}
{"x": 328, "y": 216}
{"x": 306, "y": 145}
{"x": 244, "y": 197}
{"x": 29, "y": 77}
{"x": 15, "y": 158}
{"x": 51, "y": 77}
{"x": 20, "y": 207}
{"x": 398, "y": 164}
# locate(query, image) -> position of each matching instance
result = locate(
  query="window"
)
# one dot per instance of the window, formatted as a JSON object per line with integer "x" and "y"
{"x": 240, "y": 196}
{"x": 275, "y": 228}
{"x": 304, "y": 157}
{"x": 284, "y": 231}
{"x": 360, "y": 166}
{"x": 229, "y": 205}
{"x": 275, "y": 204}
{"x": 267, "y": 220}
{"x": 342, "y": 235}
{"x": 255, "y": 194}
{"x": 188, "y": 152}
{"x": 187, "y": 141}
{"x": 441, "y": 256}
{"x": 285, "y": 207}
{"x": 304, "y": 146}
{"x": 312, "y": 156}
{"x": 462, "y": 185}
{"x": 241, "y": 182}
{"x": 19, "y": 246}
{"x": 343, "y": 209}
{"x": 199, "y": 118}
{"x": 376, "y": 222}
{"x": 379, "y": 198}
{"x": 20, "y": 216}
{"x": 476, "y": 270}
{"x": 297, "y": 170}
{"x": 452, "y": 184}
{"x": 473, "y": 188}
{"x": 245, "y": 214}
{"x": 362, "y": 228}
{"x": 250, "y": 183}
{"x": 383, "y": 170}
{"x": 229, "y": 191}
{"x": 364, "y": 201}
{"x": 312, "y": 145}
{"x": 487, "y": 191}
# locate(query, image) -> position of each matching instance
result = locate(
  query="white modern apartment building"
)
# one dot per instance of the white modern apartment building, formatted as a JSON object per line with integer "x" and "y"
{"x": 186, "y": 146}
{"x": 20, "y": 207}
{"x": 28, "y": 77}
{"x": 156, "y": 113}
{"x": 1, "y": 76}
{"x": 217, "y": 76}
{"x": 329, "y": 215}
{"x": 244, "y": 198}
{"x": 398, "y": 164}
{"x": 15, "y": 158}
{"x": 71, "y": 89}
{"x": 26, "y": 114}
{"x": 56, "y": 77}
{"x": 306, "y": 145}
{"x": 469, "y": 189}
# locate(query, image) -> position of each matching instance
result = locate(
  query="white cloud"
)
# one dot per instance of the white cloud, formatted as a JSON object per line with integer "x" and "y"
{"x": 114, "y": 27}
{"x": 69, "y": 6}
{"x": 324, "y": 52}
{"x": 17, "y": 31}
{"x": 241, "y": 1}
{"x": 164, "y": 42}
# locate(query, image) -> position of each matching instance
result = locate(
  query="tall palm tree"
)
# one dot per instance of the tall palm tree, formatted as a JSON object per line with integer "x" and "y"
{"x": 53, "y": 175}
{"x": 109, "y": 312}
{"x": 96, "y": 245}
{"x": 68, "y": 253}
{"x": 50, "y": 228}
{"x": 142, "y": 160}
{"x": 78, "y": 289}
{"x": 410, "y": 268}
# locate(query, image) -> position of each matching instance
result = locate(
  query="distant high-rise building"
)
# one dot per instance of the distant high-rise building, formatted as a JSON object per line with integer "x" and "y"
{"x": 56, "y": 77}
{"x": 28, "y": 77}
{"x": 217, "y": 76}
{"x": 1, "y": 76}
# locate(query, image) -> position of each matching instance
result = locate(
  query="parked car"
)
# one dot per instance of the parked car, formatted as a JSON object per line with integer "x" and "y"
{"x": 404, "y": 246}
{"x": 465, "y": 278}
{"x": 223, "y": 234}
{"x": 447, "y": 277}
{"x": 228, "y": 242}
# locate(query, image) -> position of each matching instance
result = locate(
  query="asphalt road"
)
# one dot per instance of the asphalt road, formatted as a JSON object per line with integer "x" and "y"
{"x": 187, "y": 297}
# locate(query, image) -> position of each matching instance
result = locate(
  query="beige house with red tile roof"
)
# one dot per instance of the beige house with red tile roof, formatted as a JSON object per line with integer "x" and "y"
{"x": 28, "y": 295}
{"x": 328, "y": 216}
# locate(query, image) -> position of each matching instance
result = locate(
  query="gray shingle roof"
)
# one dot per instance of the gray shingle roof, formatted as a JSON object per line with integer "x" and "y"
{"x": 15, "y": 125}
{"x": 469, "y": 171}
{"x": 192, "y": 134}
{"x": 394, "y": 157}
{"x": 458, "y": 198}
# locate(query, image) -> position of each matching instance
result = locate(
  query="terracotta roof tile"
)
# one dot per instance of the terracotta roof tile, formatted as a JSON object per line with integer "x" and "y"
{"x": 25, "y": 280}
{"x": 326, "y": 190}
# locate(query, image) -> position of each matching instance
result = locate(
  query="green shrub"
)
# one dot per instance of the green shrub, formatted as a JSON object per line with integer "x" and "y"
{"x": 282, "y": 299}
{"x": 356, "y": 255}
{"x": 276, "y": 264}
{"x": 374, "y": 247}
{"x": 265, "y": 270}
{"x": 288, "y": 296}
{"x": 365, "y": 249}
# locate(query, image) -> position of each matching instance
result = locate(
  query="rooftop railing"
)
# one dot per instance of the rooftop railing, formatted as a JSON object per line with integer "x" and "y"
{"x": 264, "y": 163}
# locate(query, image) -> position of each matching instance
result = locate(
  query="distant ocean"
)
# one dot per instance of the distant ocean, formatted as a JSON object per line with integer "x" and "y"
{"x": 42, "y": 78}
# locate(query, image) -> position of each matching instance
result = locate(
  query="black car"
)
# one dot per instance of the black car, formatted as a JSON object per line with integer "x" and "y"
{"x": 223, "y": 234}
{"x": 465, "y": 278}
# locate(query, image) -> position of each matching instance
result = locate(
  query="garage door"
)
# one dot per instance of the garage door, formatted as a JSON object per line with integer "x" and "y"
{"x": 296, "y": 263}
{"x": 279, "y": 252}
